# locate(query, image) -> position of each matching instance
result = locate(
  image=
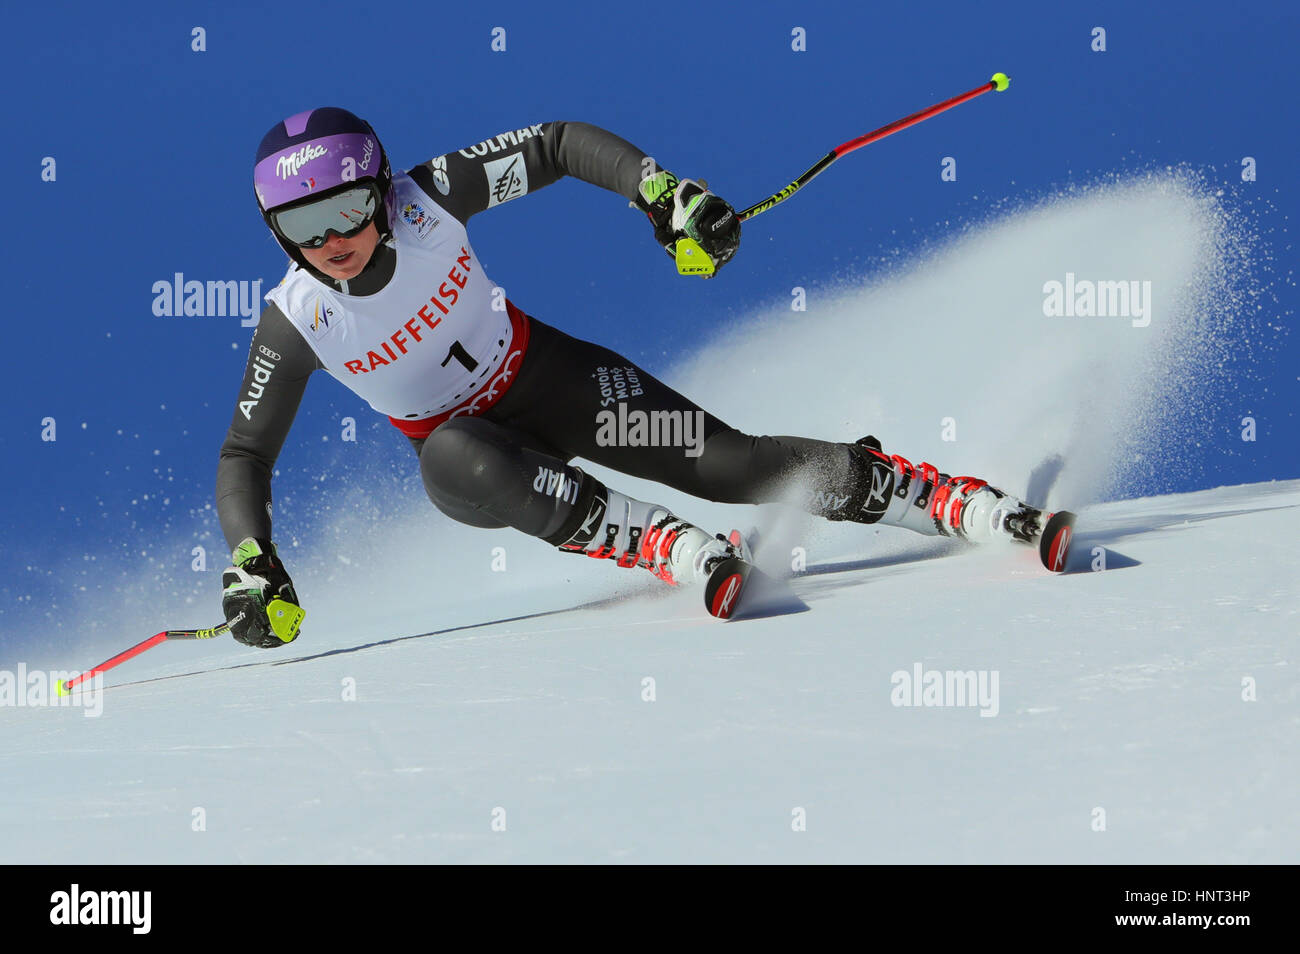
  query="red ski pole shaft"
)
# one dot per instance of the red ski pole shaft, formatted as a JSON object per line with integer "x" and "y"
{"x": 140, "y": 647}
{"x": 998, "y": 82}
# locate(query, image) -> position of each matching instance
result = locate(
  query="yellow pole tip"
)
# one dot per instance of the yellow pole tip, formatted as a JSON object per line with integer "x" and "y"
{"x": 1000, "y": 81}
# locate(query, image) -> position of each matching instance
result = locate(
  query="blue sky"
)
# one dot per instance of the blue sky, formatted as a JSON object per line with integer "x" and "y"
{"x": 154, "y": 144}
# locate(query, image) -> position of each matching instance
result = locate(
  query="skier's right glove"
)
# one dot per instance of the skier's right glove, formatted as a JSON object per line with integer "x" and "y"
{"x": 257, "y": 597}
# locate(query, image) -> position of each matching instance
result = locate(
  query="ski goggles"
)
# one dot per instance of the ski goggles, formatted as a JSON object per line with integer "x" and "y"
{"x": 344, "y": 214}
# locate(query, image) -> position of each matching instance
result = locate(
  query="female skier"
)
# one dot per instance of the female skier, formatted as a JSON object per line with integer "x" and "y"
{"x": 385, "y": 293}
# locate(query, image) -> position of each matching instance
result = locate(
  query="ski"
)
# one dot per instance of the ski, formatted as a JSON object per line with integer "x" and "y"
{"x": 1054, "y": 542}
{"x": 726, "y": 583}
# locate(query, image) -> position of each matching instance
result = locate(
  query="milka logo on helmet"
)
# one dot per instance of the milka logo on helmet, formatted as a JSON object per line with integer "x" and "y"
{"x": 286, "y": 167}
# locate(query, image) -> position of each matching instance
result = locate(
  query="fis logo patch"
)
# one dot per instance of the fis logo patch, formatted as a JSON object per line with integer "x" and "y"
{"x": 507, "y": 178}
{"x": 322, "y": 315}
{"x": 421, "y": 221}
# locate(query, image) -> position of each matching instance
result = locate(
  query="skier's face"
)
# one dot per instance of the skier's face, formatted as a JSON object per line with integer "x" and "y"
{"x": 344, "y": 258}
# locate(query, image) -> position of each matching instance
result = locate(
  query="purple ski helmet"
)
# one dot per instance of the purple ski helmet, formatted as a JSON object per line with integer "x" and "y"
{"x": 315, "y": 153}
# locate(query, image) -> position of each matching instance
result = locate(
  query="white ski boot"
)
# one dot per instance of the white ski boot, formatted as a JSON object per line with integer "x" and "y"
{"x": 677, "y": 551}
{"x": 922, "y": 499}
{"x": 969, "y": 508}
{"x": 636, "y": 533}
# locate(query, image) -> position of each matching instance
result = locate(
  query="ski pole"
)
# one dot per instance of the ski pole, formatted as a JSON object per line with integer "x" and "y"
{"x": 691, "y": 259}
{"x": 285, "y": 620}
{"x": 67, "y": 686}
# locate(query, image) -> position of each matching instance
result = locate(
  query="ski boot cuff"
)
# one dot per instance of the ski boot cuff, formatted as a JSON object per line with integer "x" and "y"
{"x": 585, "y": 517}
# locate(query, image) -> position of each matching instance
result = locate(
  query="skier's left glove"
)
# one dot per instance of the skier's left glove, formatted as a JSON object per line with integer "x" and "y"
{"x": 684, "y": 211}
{"x": 258, "y": 598}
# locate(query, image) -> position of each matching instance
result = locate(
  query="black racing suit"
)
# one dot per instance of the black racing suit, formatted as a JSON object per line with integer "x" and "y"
{"x": 491, "y": 470}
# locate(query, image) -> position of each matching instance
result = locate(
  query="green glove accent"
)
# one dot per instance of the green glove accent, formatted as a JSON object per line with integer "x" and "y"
{"x": 693, "y": 260}
{"x": 285, "y": 618}
{"x": 658, "y": 189}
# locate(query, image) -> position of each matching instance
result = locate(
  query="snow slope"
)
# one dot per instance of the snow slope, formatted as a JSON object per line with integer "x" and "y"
{"x": 1118, "y": 689}
{"x": 484, "y": 696}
